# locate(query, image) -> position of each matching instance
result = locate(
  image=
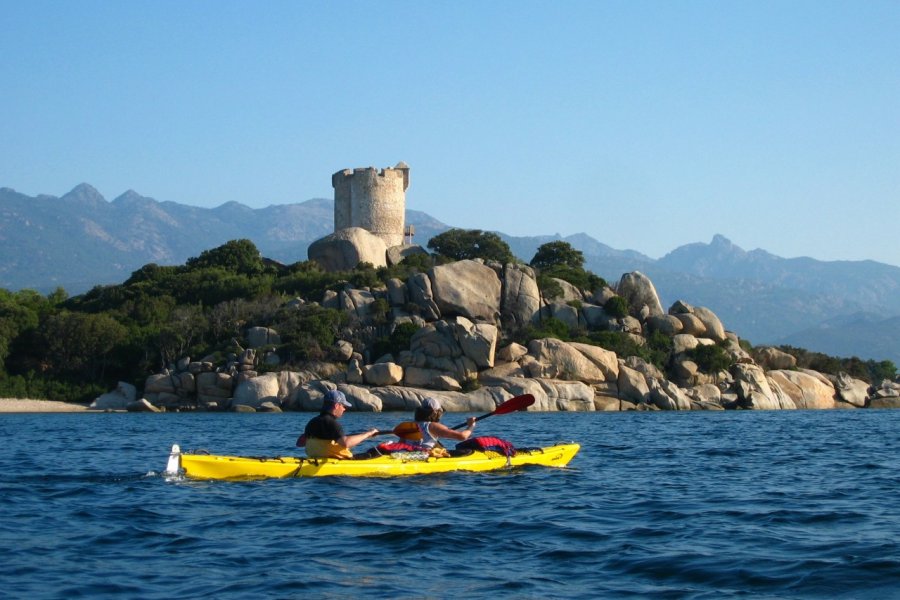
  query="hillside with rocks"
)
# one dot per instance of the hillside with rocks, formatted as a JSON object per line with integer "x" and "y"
{"x": 462, "y": 317}
{"x": 81, "y": 240}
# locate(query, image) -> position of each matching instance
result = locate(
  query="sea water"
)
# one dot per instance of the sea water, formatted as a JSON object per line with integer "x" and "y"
{"x": 781, "y": 504}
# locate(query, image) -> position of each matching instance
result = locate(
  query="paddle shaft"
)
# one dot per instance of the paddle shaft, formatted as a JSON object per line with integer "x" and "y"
{"x": 512, "y": 405}
{"x": 301, "y": 441}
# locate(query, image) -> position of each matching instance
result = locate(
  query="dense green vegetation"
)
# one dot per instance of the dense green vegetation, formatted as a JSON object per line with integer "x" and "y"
{"x": 869, "y": 370}
{"x": 76, "y": 348}
{"x": 559, "y": 260}
{"x": 462, "y": 244}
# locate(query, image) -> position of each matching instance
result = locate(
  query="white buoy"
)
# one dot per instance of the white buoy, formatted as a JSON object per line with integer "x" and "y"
{"x": 173, "y": 467}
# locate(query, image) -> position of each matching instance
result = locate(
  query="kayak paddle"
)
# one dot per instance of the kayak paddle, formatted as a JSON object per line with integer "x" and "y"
{"x": 409, "y": 430}
{"x": 512, "y": 405}
{"x": 301, "y": 441}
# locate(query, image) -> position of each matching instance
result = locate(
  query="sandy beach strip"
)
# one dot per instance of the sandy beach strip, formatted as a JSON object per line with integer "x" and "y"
{"x": 25, "y": 405}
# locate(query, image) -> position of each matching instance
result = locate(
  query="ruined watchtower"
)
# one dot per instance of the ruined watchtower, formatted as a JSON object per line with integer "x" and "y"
{"x": 371, "y": 199}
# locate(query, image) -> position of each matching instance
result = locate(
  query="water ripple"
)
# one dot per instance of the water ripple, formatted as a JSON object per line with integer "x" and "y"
{"x": 720, "y": 505}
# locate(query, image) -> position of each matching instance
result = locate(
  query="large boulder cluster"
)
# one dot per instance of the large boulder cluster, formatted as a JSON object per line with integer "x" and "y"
{"x": 466, "y": 313}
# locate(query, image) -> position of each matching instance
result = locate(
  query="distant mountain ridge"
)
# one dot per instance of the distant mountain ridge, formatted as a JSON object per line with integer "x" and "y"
{"x": 80, "y": 240}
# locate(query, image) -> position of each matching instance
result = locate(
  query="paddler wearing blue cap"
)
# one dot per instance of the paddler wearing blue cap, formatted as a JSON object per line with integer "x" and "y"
{"x": 325, "y": 437}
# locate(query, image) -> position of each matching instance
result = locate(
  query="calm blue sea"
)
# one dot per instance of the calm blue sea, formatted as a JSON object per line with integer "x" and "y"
{"x": 791, "y": 504}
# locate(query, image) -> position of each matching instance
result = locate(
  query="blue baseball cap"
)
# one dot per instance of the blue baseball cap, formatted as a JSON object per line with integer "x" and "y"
{"x": 335, "y": 397}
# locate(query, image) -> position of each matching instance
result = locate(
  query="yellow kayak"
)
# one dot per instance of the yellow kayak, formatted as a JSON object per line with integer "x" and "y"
{"x": 211, "y": 466}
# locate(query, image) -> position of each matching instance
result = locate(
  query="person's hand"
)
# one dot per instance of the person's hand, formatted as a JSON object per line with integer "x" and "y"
{"x": 373, "y": 432}
{"x": 470, "y": 422}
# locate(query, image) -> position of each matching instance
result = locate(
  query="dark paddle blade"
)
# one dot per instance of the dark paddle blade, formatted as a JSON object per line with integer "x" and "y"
{"x": 512, "y": 405}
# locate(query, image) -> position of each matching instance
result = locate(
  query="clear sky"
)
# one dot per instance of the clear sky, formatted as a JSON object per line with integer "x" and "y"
{"x": 646, "y": 125}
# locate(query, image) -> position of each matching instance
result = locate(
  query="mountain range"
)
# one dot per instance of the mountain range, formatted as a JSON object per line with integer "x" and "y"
{"x": 79, "y": 240}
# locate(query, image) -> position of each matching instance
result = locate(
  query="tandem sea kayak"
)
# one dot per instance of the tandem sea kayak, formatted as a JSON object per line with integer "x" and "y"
{"x": 211, "y": 466}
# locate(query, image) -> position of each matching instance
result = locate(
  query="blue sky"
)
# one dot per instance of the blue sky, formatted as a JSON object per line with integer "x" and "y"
{"x": 647, "y": 125}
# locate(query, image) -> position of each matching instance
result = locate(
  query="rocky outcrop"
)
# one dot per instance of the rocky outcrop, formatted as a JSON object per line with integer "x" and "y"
{"x": 118, "y": 399}
{"x": 346, "y": 248}
{"x": 773, "y": 358}
{"x": 633, "y": 385}
{"x": 257, "y": 390}
{"x": 885, "y": 402}
{"x": 713, "y": 327}
{"x": 467, "y": 313}
{"x": 466, "y": 288}
{"x": 520, "y": 298}
{"x": 665, "y": 395}
{"x": 852, "y": 391}
{"x": 756, "y": 391}
{"x": 397, "y": 254}
{"x": 559, "y": 360}
{"x": 357, "y": 304}
{"x": 381, "y": 374}
{"x": 258, "y": 337}
{"x": 561, "y": 311}
{"x": 806, "y": 390}
{"x": 641, "y": 295}
{"x": 421, "y": 294}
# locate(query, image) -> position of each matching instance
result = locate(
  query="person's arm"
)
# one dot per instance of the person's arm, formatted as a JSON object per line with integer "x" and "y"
{"x": 348, "y": 441}
{"x": 442, "y": 431}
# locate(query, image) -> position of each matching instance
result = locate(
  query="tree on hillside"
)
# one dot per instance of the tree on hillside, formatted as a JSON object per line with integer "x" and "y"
{"x": 78, "y": 345}
{"x": 236, "y": 256}
{"x": 19, "y": 312}
{"x": 559, "y": 260}
{"x": 462, "y": 244}
{"x": 559, "y": 253}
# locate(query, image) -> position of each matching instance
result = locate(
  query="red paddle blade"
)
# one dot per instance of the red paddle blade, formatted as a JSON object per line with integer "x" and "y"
{"x": 513, "y": 404}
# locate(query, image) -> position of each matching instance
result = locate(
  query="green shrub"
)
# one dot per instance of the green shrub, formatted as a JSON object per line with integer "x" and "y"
{"x": 881, "y": 370}
{"x": 402, "y": 335}
{"x": 308, "y": 332}
{"x": 617, "y": 307}
{"x": 549, "y": 288}
{"x": 237, "y": 256}
{"x": 551, "y": 327}
{"x": 656, "y": 351}
{"x": 396, "y": 342}
{"x": 470, "y": 384}
{"x": 419, "y": 262}
{"x": 870, "y": 371}
{"x": 365, "y": 275}
{"x": 380, "y": 310}
{"x": 562, "y": 261}
{"x": 710, "y": 358}
{"x": 616, "y": 341}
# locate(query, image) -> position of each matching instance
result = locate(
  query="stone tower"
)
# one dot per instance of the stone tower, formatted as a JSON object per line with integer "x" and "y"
{"x": 371, "y": 199}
